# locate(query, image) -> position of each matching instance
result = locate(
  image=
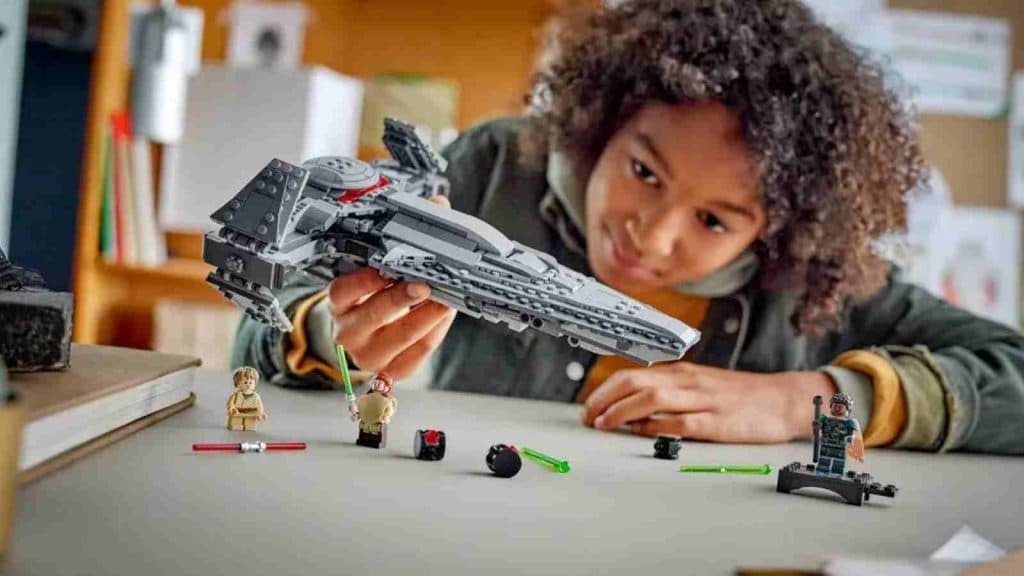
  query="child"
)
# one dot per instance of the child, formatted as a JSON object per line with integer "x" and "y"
{"x": 731, "y": 163}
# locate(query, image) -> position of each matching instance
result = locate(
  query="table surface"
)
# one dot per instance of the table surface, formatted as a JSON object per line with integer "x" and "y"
{"x": 148, "y": 505}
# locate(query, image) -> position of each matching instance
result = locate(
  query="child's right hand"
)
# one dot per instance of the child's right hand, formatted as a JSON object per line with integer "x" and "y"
{"x": 374, "y": 321}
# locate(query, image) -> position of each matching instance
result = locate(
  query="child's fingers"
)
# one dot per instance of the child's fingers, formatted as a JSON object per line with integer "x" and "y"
{"x": 406, "y": 363}
{"x": 619, "y": 385}
{"x": 695, "y": 425}
{"x": 392, "y": 339}
{"x": 345, "y": 291}
{"x": 358, "y": 323}
{"x": 442, "y": 200}
{"x": 649, "y": 400}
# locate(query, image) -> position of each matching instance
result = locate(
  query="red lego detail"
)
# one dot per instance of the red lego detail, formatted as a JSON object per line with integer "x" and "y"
{"x": 432, "y": 437}
{"x": 350, "y": 196}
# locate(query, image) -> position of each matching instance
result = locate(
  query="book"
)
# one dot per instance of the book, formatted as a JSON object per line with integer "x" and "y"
{"x": 152, "y": 250}
{"x": 105, "y": 394}
{"x": 125, "y": 189}
{"x": 108, "y": 230}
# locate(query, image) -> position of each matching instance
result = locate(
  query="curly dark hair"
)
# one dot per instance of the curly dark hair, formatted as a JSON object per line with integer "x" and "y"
{"x": 835, "y": 150}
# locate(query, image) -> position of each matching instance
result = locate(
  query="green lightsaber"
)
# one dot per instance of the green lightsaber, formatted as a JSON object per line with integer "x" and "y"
{"x": 764, "y": 470}
{"x": 349, "y": 395}
{"x": 557, "y": 465}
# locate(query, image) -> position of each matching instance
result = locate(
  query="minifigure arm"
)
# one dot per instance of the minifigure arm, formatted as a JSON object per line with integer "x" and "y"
{"x": 856, "y": 448}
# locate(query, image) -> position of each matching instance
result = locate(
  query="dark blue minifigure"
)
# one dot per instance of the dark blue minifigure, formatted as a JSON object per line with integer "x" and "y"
{"x": 836, "y": 435}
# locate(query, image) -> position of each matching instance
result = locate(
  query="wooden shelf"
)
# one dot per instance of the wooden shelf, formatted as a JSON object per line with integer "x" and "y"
{"x": 174, "y": 270}
{"x": 488, "y": 49}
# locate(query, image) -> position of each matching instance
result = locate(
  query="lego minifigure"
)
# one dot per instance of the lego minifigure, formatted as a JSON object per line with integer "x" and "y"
{"x": 838, "y": 434}
{"x": 245, "y": 407}
{"x": 375, "y": 409}
{"x": 834, "y": 436}
{"x": 667, "y": 447}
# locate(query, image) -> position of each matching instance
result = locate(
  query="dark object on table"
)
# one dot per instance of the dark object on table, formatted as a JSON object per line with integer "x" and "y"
{"x": 35, "y": 323}
{"x": 854, "y": 488}
{"x": 504, "y": 460}
{"x": 667, "y": 447}
{"x": 428, "y": 445}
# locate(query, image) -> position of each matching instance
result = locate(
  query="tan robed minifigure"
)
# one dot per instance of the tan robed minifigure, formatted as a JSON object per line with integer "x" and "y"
{"x": 244, "y": 405}
{"x": 375, "y": 409}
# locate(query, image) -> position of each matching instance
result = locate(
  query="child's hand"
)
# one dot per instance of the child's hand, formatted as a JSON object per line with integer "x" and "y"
{"x": 376, "y": 323}
{"x": 704, "y": 403}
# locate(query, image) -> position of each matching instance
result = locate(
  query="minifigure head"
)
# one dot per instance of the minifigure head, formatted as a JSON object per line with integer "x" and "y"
{"x": 840, "y": 405}
{"x": 245, "y": 379}
{"x": 382, "y": 382}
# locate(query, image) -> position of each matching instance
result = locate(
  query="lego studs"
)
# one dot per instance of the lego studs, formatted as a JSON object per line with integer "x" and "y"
{"x": 504, "y": 460}
{"x": 428, "y": 445}
{"x": 667, "y": 447}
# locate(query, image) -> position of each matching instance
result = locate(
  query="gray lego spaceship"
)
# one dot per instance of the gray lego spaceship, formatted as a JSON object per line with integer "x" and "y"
{"x": 334, "y": 214}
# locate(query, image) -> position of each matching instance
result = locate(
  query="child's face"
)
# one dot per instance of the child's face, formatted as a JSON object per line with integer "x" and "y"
{"x": 672, "y": 198}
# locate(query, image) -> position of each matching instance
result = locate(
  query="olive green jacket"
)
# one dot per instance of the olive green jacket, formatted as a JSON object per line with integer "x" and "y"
{"x": 962, "y": 376}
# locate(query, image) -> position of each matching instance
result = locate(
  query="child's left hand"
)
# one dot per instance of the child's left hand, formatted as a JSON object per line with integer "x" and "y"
{"x": 705, "y": 403}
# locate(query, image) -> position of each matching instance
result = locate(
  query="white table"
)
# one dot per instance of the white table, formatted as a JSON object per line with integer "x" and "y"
{"x": 148, "y": 505}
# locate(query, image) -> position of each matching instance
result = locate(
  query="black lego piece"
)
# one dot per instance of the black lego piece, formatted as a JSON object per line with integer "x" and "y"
{"x": 854, "y": 488}
{"x": 35, "y": 323}
{"x": 504, "y": 460}
{"x": 667, "y": 447}
{"x": 429, "y": 445}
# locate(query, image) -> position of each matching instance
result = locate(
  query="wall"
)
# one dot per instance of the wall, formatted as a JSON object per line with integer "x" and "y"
{"x": 971, "y": 152}
{"x": 12, "y": 20}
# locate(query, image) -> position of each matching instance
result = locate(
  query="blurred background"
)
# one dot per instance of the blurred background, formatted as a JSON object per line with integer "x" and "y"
{"x": 124, "y": 124}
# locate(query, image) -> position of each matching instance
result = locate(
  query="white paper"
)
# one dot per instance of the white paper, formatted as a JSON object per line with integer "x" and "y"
{"x": 239, "y": 120}
{"x": 1015, "y": 144}
{"x": 968, "y": 546}
{"x": 267, "y": 35}
{"x": 976, "y": 262}
{"x": 864, "y": 23}
{"x": 953, "y": 64}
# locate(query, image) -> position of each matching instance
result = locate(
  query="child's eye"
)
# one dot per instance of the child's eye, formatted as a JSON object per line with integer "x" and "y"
{"x": 711, "y": 222}
{"x": 645, "y": 174}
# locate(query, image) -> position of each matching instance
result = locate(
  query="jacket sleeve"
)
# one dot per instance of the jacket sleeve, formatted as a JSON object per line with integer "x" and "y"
{"x": 978, "y": 365}
{"x": 265, "y": 347}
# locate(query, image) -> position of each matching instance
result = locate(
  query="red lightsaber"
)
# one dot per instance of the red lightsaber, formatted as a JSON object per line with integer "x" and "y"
{"x": 245, "y": 447}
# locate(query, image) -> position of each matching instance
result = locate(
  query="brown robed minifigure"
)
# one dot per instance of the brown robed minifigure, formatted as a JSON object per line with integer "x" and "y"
{"x": 375, "y": 410}
{"x": 244, "y": 405}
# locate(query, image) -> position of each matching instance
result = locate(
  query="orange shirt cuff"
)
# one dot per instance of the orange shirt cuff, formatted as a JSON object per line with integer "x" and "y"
{"x": 889, "y": 414}
{"x": 298, "y": 358}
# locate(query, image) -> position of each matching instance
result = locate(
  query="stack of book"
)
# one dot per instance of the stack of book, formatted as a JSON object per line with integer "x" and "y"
{"x": 128, "y": 232}
{"x": 106, "y": 394}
